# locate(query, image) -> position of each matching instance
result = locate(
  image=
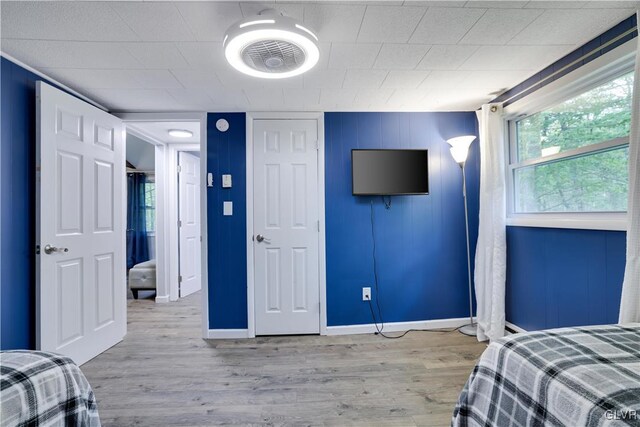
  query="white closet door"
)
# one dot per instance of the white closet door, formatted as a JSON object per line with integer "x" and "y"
{"x": 287, "y": 297}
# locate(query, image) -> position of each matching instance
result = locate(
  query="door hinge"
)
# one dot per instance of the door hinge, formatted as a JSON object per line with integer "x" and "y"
{"x": 179, "y": 223}
{"x": 317, "y": 145}
{"x": 179, "y": 168}
{"x": 318, "y": 224}
{"x": 179, "y": 279}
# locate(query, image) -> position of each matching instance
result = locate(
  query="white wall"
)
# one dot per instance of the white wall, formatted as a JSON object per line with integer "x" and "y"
{"x": 140, "y": 153}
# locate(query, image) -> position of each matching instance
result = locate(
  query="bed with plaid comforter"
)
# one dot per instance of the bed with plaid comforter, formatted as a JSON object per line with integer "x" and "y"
{"x": 44, "y": 389}
{"x": 588, "y": 376}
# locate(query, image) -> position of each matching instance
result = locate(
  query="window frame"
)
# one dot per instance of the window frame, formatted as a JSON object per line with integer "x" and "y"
{"x": 605, "y": 68}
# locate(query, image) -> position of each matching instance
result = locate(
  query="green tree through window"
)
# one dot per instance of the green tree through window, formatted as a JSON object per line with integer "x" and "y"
{"x": 591, "y": 181}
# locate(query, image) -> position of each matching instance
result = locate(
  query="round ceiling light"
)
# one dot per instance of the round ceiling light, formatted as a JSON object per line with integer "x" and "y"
{"x": 271, "y": 46}
{"x": 180, "y": 133}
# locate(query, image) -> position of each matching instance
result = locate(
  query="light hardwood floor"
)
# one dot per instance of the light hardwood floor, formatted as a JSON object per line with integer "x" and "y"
{"x": 164, "y": 374}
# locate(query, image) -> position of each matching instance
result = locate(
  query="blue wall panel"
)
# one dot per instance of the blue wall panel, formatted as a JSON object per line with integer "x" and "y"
{"x": 17, "y": 189}
{"x": 227, "y": 236}
{"x": 421, "y": 249}
{"x": 563, "y": 277}
{"x": 17, "y": 220}
{"x": 420, "y": 240}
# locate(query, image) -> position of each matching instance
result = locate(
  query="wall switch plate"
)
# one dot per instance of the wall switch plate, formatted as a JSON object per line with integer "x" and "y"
{"x": 366, "y": 294}
{"x": 227, "y": 208}
{"x": 226, "y": 181}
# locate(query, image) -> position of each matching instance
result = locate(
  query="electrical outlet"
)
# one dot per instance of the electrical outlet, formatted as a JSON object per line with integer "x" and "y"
{"x": 366, "y": 294}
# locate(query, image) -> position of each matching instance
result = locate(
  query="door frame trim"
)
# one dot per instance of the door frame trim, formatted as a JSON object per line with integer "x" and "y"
{"x": 165, "y": 227}
{"x": 322, "y": 270}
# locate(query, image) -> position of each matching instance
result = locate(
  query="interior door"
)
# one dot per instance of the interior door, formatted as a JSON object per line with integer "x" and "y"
{"x": 189, "y": 217}
{"x": 80, "y": 226}
{"x": 286, "y": 227}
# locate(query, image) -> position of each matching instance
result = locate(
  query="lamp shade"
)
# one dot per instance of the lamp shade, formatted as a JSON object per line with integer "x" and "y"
{"x": 460, "y": 147}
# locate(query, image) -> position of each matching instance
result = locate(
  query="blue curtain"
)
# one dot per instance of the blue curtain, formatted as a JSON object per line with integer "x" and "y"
{"x": 137, "y": 242}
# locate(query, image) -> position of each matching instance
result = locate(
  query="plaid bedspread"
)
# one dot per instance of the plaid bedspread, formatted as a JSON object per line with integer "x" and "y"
{"x": 587, "y": 376}
{"x": 44, "y": 389}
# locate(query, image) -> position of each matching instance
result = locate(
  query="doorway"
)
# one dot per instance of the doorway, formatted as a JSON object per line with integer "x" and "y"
{"x": 285, "y": 223}
{"x": 178, "y": 229}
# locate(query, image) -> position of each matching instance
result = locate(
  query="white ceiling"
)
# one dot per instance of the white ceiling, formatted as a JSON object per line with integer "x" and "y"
{"x": 375, "y": 56}
{"x": 159, "y": 131}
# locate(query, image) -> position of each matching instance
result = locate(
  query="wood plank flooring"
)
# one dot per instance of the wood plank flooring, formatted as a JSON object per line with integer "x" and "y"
{"x": 164, "y": 374}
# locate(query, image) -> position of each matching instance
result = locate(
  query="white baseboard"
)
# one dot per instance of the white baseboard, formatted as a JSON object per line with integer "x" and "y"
{"x": 161, "y": 299}
{"x": 514, "y": 327}
{"x": 399, "y": 326}
{"x": 222, "y": 334}
{"x": 357, "y": 329}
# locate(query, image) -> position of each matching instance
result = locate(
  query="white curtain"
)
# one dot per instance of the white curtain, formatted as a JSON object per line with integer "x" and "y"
{"x": 491, "y": 251}
{"x": 630, "y": 303}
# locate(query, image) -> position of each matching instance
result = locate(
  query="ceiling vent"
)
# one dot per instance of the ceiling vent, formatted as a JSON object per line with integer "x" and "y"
{"x": 271, "y": 46}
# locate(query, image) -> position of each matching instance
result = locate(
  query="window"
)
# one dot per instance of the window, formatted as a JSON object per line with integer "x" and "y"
{"x": 572, "y": 157}
{"x": 150, "y": 204}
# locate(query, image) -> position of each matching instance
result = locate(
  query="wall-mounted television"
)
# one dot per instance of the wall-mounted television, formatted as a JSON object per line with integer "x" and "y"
{"x": 389, "y": 172}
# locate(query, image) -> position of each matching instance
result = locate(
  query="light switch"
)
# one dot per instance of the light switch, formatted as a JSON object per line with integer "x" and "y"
{"x": 227, "y": 208}
{"x": 226, "y": 181}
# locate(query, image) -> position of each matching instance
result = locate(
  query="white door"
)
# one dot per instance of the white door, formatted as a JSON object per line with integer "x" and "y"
{"x": 80, "y": 226}
{"x": 189, "y": 221}
{"x": 286, "y": 228}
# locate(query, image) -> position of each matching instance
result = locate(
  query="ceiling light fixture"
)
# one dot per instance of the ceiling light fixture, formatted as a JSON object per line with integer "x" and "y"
{"x": 180, "y": 133}
{"x": 271, "y": 46}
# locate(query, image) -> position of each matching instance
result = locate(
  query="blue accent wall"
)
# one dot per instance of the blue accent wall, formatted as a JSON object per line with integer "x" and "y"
{"x": 227, "y": 235}
{"x": 17, "y": 216}
{"x": 562, "y": 277}
{"x": 17, "y": 190}
{"x": 421, "y": 246}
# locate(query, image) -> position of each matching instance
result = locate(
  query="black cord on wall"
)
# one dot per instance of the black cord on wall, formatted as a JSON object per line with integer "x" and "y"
{"x": 376, "y": 286}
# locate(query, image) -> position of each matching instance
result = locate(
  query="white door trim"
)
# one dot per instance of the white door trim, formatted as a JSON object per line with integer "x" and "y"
{"x": 164, "y": 229}
{"x": 322, "y": 269}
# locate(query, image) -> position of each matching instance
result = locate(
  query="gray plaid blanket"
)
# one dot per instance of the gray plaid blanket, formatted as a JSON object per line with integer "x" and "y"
{"x": 44, "y": 389}
{"x": 587, "y": 376}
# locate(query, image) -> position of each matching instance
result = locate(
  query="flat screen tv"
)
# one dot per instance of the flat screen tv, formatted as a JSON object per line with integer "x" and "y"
{"x": 389, "y": 172}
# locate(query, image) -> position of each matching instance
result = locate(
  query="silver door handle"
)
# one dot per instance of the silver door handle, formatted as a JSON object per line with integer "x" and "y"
{"x": 260, "y": 238}
{"x": 51, "y": 249}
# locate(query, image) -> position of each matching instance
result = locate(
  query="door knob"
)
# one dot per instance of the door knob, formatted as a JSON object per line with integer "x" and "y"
{"x": 260, "y": 238}
{"x": 51, "y": 249}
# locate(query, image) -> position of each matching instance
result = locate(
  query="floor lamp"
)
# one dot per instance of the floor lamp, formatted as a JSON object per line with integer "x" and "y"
{"x": 460, "y": 151}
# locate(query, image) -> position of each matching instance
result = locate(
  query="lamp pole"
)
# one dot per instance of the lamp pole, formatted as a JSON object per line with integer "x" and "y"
{"x": 460, "y": 150}
{"x": 471, "y": 328}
